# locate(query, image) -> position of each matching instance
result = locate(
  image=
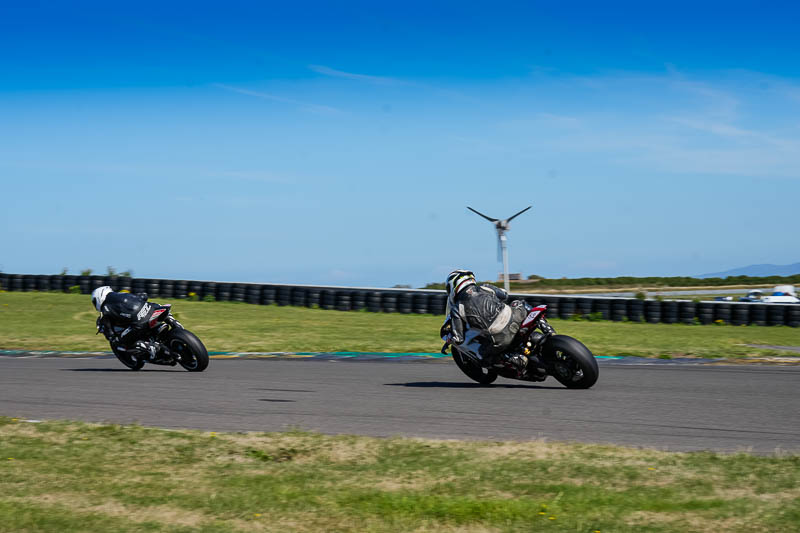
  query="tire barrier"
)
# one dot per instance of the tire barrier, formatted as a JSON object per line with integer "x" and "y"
{"x": 566, "y": 307}
{"x": 138, "y": 285}
{"x": 417, "y": 301}
{"x": 686, "y": 311}
{"x": 298, "y": 297}
{"x": 635, "y": 310}
{"x": 343, "y": 300}
{"x": 776, "y": 314}
{"x": 283, "y": 296}
{"x": 85, "y": 284}
{"x": 740, "y": 315}
{"x": 56, "y": 283}
{"x": 722, "y": 311}
{"x": 238, "y": 292}
{"x": 705, "y": 312}
{"x": 181, "y": 289}
{"x": 404, "y": 302}
{"x": 793, "y": 316}
{"x": 583, "y": 306}
{"x": 313, "y": 297}
{"x": 43, "y": 283}
{"x": 326, "y": 299}
{"x": 652, "y": 311}
{"x": 224, "y": 292}
{"x": 618, "y": 310}
{"x": 209, "y": 290}
{"x": 374, "y": 301}
{"x": 358, "y": 300}
{"x": 196, "y": 288}
{"x": 603, "y": 307}
{"x": 268, "y": 295}
{"x": 758, "y": 315}
{"x": 152, "y": 287}
{"x": 670, "y": 311}
{"x": 437, "y": 303}
{"x": 389, "y": 302}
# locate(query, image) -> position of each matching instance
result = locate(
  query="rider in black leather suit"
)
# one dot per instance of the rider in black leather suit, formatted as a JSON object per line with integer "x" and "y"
{"x": 481, "y": 307}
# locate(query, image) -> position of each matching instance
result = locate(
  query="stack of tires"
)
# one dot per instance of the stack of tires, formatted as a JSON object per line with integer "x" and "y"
{"x": 299, "y": 297}
{"x": 670, "y": 311}
{"x": 374, "y": 304}
{"x": 705, "y": 312}
{"x": 740, "y": 314}
{"x": 722, "y": 311}
{"x": 268, "y": 295}
{"x": 313, "y": 297}
{"x": 567, "y": 307}
{"x": 583, "y": 306}
{"x": 252, "y": 294}
{"x": 619, "y": 307}
{"x": 652, "y": 311}
{"x": 342, "y": 301}
{"x": 635, "y": 310}
{"x": 686, "y": 311}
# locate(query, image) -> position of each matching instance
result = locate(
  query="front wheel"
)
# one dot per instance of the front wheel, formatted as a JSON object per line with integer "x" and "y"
{"x": 474, "y": 371}
{"x": 570, "y": 362}
{"x": 193, "y": 355}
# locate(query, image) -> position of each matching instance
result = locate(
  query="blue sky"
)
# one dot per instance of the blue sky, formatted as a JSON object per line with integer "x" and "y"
{"x": 341, "y": 143}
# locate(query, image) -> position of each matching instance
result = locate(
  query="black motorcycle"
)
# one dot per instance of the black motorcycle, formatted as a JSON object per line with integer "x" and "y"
{"x": 544, "y": 352}
{"x": 165, "y": 341}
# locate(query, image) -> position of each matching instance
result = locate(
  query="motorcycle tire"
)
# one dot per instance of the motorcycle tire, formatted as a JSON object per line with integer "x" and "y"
{"x": 475, "y": 372}
{"x": 131, "y": 361}
{"x": 194, "y": 356}
{"x": 570, "y": 362}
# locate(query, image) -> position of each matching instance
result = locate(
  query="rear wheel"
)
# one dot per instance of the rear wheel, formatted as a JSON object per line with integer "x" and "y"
{"x": 473, "y": 370}
{"x": 193, "y": 355}
{"x": 570, "y": 362}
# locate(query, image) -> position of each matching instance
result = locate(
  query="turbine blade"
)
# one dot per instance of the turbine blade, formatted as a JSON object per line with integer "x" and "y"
{"x": 481, "y": 214}
{"x": 518, "y": 214}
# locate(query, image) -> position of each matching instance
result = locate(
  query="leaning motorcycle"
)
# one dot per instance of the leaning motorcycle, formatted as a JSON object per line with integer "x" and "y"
{"x": 173, "y": 343}
{"x": 546, "y": 353}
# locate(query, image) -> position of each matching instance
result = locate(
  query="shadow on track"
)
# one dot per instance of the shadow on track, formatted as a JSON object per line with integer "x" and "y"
{"x": 117, "y": 370}
{"x": 467, "y": 385}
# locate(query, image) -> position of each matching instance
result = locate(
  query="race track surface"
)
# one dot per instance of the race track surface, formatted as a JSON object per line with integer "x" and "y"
{"x": 675, "y": 407}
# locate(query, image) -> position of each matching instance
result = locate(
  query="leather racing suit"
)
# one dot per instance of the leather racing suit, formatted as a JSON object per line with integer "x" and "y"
{"x": 484, "y": 308}
{"x": 123, "y": 321}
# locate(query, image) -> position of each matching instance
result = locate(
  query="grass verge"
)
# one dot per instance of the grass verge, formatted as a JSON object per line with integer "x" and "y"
{"x": 56, "y": 321}
{"x": 63, "y": 476}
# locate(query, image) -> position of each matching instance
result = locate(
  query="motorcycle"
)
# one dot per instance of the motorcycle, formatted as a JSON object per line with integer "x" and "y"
{"x": 168, "y": 341}
{"x": 545, "y": 353}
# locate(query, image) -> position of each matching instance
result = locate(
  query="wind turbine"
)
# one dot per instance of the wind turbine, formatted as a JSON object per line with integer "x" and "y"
{"x": 502, "y": 226}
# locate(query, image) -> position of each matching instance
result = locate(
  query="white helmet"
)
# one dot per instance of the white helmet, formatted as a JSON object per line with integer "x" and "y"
{"x": 458, "y": 280}
{"x": 99, "y": 296}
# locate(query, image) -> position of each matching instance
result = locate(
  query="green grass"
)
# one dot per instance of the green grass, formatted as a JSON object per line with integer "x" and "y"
{"x": 62, "y": 476}
{"x": 55, "y": 321}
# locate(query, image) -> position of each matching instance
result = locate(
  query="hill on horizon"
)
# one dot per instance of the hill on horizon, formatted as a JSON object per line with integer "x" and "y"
{"x": 757, "y": 270}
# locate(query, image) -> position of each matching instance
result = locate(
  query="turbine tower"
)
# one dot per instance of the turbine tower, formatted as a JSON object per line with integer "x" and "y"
{"x": 502, "y": 226}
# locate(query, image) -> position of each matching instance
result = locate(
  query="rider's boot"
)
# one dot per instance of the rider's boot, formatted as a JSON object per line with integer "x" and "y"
{"x": 517, "y": 360}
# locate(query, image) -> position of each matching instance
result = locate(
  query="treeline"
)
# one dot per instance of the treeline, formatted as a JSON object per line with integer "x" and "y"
{"x": 651, "y": 281}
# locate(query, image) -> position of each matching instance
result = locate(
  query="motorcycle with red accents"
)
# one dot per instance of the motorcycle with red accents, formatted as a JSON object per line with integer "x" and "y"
{"x": 535, "y": 353}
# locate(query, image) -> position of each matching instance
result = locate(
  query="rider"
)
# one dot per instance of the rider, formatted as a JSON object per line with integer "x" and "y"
{"x": 119, "y": 314}
{"x": 483, "y": 308}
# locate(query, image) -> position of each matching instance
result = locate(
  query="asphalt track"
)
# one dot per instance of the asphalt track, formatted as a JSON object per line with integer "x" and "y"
{"x": 674, "y": 407}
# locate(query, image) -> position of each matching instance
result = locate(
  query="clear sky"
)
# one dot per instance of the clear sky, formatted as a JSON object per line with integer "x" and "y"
{"x": 340, "y": 142}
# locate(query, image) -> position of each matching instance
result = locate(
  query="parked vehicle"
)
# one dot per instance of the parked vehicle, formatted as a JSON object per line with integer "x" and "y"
{"x": 782, "y": 294}
{"x": 547, "y": 354}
